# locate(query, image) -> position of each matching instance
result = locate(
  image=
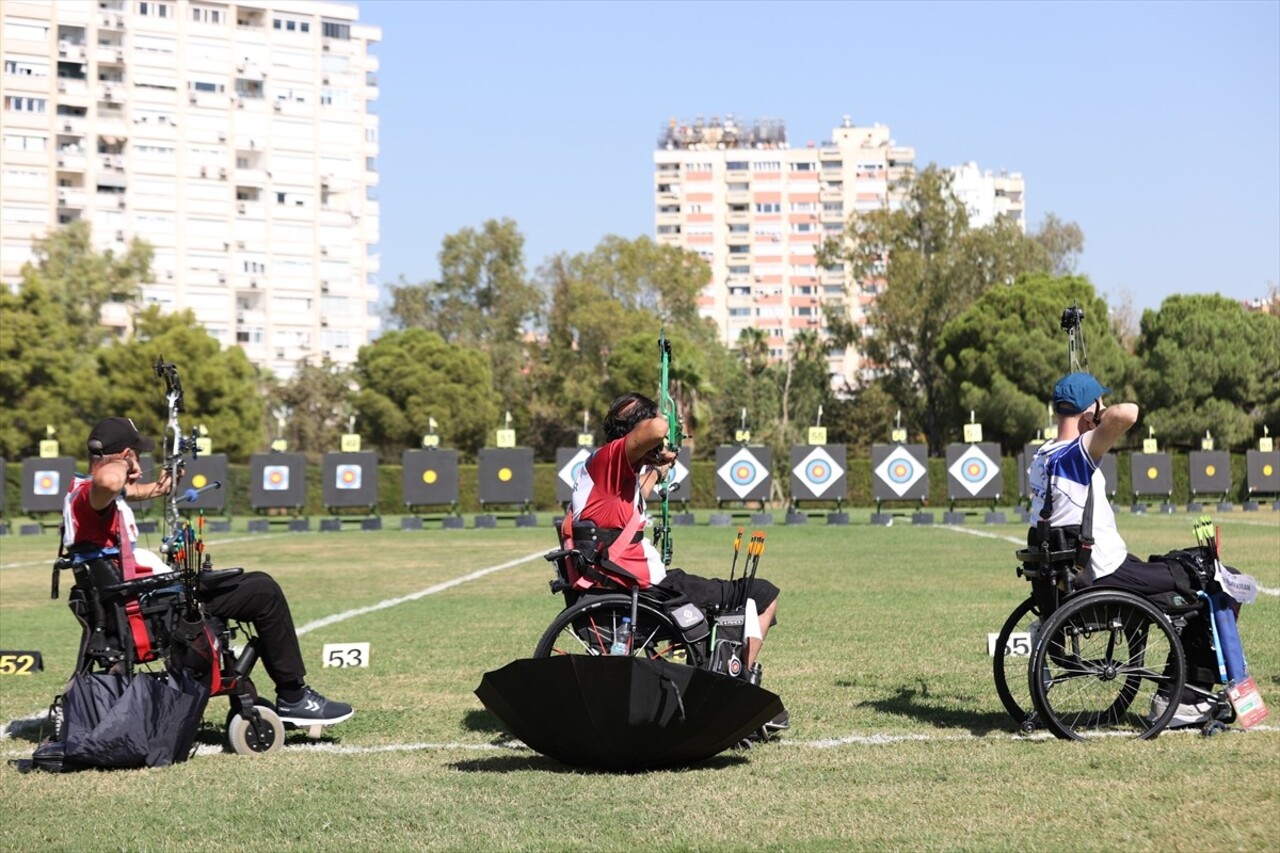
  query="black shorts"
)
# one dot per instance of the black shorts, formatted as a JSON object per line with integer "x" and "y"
{"x": 714, "y": 592}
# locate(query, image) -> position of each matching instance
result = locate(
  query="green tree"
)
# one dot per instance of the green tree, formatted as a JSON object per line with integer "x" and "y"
{"x": 1003, "y": 355}
{"x": 43, "y": 380}
{"x": 606, "y": 309}
{"x": 317, "y": 400}
{"x": 865, "y": 417}
{"x": 927, "y": 266}
{"x": 482, "y": 300}
{"x": 406, "y": 378}
{"x": 220, "y": 386}
{"x": 1209, "y": 366}
{"x": 80, "y": 280}
{"x": 1063, "y": 243}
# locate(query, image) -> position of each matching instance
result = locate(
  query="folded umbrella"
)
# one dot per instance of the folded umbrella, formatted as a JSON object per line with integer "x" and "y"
{"x": 618, "y": 712}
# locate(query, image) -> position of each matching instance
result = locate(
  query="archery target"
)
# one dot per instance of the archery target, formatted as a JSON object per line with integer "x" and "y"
{"x": 277, "y": 480}
{"x": 818, "y": 472}
{"x": 901, "y": 472}
{"x": 676, "y": 477}
{"x": 569, "y": 462}
{"x": 347, "y": 477}
{"x": 1151, "y": 473}
{"x": 203, "y": 470}
{"x": 742, "y": 473}
{"x": 45, "y": 482}
{"x": 1210, "y": 472}
{"x": 506, "y": 475}
{"x": 345, "y": 483}
{"x": 1262, "y": 472}
{"x": 430, "y": 477}
{"x": 973, "y": 471}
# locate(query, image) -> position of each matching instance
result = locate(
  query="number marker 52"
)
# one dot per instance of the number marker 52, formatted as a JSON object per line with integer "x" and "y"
{"x": 20, "y": 663}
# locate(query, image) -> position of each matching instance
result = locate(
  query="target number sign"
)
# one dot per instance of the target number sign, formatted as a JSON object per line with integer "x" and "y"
{"x": 1019, "y": 644}
{"x": 346, "y": 654}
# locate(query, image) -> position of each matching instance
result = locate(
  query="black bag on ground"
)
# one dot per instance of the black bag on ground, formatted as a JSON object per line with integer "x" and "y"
{"x": 113, "y": 721}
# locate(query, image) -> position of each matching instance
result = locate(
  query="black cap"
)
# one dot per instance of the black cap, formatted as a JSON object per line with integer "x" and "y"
{"x": 115, "y": 435}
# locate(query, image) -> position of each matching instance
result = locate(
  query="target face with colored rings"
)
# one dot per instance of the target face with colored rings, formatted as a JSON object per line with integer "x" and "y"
{"x": 275, "y": 478}
{"x": 973, "y": 470}
{"x": 570, "y": 470}
{"x": 347, "y": 476}
{"x": 742, "y": 473}
{"x": 819, "y": 471}
{"x": 900, "y": 471}
{"x": 46, "y": 482}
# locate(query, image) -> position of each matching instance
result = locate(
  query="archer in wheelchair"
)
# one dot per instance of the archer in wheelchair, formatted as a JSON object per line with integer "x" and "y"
{"x": 620, "y": 596}
{"x": 136, "y": 609}
{"x": 1117, "y": 643}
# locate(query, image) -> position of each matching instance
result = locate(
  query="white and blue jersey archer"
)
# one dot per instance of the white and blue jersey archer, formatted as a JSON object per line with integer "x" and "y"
{"x": 1069, "y": 469}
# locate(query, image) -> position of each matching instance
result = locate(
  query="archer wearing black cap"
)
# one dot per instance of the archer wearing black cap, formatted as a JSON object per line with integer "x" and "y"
{"x": 96, "y": 516}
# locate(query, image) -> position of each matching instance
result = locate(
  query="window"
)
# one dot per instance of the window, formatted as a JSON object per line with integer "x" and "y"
{"x": 26, "y": 30}
{"x": 332, "y": 30}
{"x": 804, "y": 167}
{"x": 26, "y": 178}
{"x": 25, "y": 142}
{"x": 371, "y": 164}
{"x": 335, "y": 97}
{"x": 205, "y": 86}
{"x": 833, "y": 207}
{"x": 804, "y": 207}
{"x": 205, "y": 15}
{"x": 736, "y": 166}
{"x": 738, "y": 228}
{"x": 291, "y": 25}
{"x": 26, "y": 67}
{"x": 739, "y": 187}
{"x": 24, "y": 104}
{"x": 370, "y": 134}
{"x": 739, "y": 312}
{"x": 739, "y": 270}
{"x": 767, "y": 166}
{"x": 155, "y": 10}
{"x": 769, "y": 207}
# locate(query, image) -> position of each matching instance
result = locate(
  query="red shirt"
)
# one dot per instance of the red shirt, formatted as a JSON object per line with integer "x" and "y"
{"x": 607, "y": 493}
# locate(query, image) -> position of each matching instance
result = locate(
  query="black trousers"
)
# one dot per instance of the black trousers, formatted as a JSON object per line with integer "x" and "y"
{"x": 256, "y": 598}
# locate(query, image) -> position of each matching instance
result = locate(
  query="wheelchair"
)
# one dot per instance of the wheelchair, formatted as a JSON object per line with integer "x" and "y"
{"x": 142, "y": 626}
{"x": 662, "y": 623}
{"x": 1103, "y": 660}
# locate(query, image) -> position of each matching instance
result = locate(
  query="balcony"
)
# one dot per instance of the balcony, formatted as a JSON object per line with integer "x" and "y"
{"x": 71, "y": 197}
{"x": 69, "y": 51}
{"x": 71, "y": 161}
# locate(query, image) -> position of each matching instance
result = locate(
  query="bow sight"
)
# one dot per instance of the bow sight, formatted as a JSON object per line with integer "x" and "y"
{"x": 1073, "y": 325}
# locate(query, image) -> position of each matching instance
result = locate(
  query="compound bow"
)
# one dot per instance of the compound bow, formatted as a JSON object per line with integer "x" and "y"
{"x": 675, "y": 436}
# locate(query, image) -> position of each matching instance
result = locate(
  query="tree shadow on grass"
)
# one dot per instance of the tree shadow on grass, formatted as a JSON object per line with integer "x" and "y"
{"x": 941, "y": 711}
{"x": 521, "y": 763}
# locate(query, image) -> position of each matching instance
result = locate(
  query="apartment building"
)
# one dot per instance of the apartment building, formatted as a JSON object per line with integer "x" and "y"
{"x": 757, "y": 209}
{"x": 990, "y": 195}
{"x": 239, "y": 139}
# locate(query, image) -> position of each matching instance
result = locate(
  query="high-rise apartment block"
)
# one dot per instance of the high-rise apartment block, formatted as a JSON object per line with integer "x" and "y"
{"x": 238, "y": 139}
{"x": 757, "y": 210}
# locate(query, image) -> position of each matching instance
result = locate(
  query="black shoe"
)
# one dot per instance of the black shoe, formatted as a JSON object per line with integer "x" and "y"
{"x": 313, "y": 709}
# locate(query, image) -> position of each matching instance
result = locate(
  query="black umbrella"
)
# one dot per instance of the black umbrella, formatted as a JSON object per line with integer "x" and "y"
{"x": 624, "y": 713}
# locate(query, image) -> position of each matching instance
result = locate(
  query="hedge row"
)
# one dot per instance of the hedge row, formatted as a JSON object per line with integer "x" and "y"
{"x": 700, "y": 494}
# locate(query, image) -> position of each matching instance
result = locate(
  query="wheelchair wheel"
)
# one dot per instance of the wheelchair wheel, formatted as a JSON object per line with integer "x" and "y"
{"x": 1100, "y": 661}
{"x": 265, "y": 734}
{"x": 1014, "y": 693}
{"x": 587, "y": 628}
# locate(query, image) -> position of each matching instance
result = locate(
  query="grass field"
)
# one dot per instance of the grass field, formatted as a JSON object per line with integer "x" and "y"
{"x": 898, "y": 740}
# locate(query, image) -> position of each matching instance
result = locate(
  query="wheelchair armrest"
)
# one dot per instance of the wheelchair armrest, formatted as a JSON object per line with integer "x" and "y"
{"x": 559, "y": 554}
{"x": 211, "y": 578}
{"x": 142, "y": 584}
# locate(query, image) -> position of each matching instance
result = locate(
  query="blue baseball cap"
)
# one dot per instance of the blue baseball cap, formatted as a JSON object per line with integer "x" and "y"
{"x": 1075, "y": 392}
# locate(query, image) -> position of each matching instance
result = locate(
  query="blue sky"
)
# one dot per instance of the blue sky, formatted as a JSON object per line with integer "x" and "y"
{"x": 1155, "y": 126}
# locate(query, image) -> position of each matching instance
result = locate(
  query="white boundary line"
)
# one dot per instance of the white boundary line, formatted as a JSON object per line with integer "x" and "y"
{"x": 414, "y": 596}
{"x": 853, "y": 740}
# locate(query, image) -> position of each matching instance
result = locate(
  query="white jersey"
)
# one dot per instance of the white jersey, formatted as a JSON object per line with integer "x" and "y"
{"x": 1071, "y": 469}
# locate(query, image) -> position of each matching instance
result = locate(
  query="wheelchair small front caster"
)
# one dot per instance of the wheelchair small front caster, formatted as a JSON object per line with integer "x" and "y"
{"x": 1212, "y": 728}
{"x": 246, "y": 736}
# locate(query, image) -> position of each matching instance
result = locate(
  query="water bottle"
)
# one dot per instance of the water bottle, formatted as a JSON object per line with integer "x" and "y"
{"x": 1229, "y": 638}
{"x": 622, "y": 638}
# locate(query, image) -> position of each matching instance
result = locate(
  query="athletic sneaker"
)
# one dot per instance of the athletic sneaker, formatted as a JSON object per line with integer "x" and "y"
{"x": 1193, "y": 713}
{"x": 313, "y": 709}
